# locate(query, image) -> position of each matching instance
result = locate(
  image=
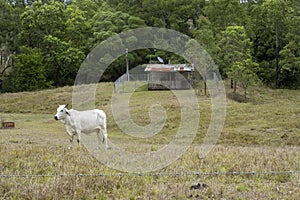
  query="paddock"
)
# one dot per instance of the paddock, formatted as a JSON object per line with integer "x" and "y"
{"x": 257, "y": 154}
{"x": 36, "y": 164}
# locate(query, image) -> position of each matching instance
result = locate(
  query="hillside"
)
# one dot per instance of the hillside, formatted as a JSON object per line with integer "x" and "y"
{"x": 44, "y": 101}
{"x": 271, "y": 117}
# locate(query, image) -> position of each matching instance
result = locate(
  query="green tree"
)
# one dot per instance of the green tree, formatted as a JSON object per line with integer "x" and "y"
{"x": 9, "y": 23}
{"x": 235, "y": 47}
{"x": 242, "y": 72}
{"x": 60, "y": 34}
{"x": 269, "y": 29}
{"x": 180, "y": 15}
{"x": 62, "y": 61}
{"x": 200, "y": 59}
{"x": 224, "y": 13}
{"x": 289, "y": 63}
{"x": 41, "y": 20}
{"x": 204, "y": 34}
{"x": 77, "y": 28}
{"x": 106, "y": 23}
{"x": 89, "y": 7}
{"x": 29, "y": 73}
{"x": 278, "y": 12}
{"x": 80, "y": 20}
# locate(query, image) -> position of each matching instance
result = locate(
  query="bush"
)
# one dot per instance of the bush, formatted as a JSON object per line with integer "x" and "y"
{"x": 29, "y": 73}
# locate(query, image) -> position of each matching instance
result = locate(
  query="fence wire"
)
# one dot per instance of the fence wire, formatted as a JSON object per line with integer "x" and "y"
{"x": 174, "y": 174}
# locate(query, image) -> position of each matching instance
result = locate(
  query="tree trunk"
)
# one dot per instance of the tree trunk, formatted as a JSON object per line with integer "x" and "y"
{"x": 6, "y": 66}
{"x": 234, "y": 87}
{"x": 277, "y": 59}
{"x": 205, "y": 88}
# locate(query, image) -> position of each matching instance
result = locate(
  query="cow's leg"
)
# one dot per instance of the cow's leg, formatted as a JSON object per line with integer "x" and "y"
{"x": 71, "y": 141}
{"x": 71, "y": 136}
{"x": 99, "y": 137}
{"x": 78, "y": 131}
{"x": 105, "y": 139}
{"x": 104, "y": 131}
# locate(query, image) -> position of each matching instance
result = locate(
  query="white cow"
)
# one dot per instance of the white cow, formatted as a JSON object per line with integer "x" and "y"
{"x": 77, "y": 122}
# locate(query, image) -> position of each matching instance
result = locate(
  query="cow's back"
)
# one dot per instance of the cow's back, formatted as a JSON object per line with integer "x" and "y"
{"x": 88, "y": 121}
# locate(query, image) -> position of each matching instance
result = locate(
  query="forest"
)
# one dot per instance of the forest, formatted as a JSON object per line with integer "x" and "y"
{"x": 43, "y": 43}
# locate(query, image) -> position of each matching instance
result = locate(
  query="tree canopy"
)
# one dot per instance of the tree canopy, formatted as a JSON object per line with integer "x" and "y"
{"x": 49, "y": 39}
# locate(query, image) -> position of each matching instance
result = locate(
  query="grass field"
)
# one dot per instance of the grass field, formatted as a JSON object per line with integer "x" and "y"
{"x": 261, "y": 136}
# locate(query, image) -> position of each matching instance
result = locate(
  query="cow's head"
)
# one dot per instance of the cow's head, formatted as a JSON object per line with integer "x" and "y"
{"x": 62, "y": 112}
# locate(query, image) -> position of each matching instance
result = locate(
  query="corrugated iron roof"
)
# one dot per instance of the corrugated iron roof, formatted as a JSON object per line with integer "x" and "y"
{"x": 167, "y": 68}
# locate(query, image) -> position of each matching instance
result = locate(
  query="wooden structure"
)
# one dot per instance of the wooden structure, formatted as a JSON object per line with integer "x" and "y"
{"x": 169, "y": 76}
{"x": 5, "y": 125}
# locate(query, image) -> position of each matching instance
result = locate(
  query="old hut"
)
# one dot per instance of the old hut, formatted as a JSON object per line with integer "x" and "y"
{"x": 169, "y": 76}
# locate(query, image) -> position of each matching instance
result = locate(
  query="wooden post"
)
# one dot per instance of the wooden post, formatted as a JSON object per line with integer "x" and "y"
{"x": 127, "y": 65}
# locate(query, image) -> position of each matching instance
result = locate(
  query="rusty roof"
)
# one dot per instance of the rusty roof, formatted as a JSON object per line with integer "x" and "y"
{"x": 167, "y": 68}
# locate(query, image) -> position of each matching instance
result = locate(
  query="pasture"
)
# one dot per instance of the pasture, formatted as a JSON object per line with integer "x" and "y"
{"x": 261, "y": 137}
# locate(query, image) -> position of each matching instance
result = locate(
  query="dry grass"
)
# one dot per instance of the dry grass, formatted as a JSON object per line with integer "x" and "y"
{"x": 262, "y": 135}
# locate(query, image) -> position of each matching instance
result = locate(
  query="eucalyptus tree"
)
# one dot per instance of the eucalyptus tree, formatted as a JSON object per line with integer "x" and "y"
{"x": 108, "y": 22}
{"x": 9, "y": 23}
{"x": 236, "y": 54}
{"x": 77, "y": 28}
{"x": 289, "y": 63}
{"x": 62, "y": 61}
{"x": 204, "y": 34}
{"x": 212, "y": 29}
{"x": 224, "y": 13}
{"x": 40, "y": 20}
{"x": 242, "y": 72}
{"x": 180, "y": 15}
{"x": 269, "y": 26}
{"x": 59, "y": 34}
